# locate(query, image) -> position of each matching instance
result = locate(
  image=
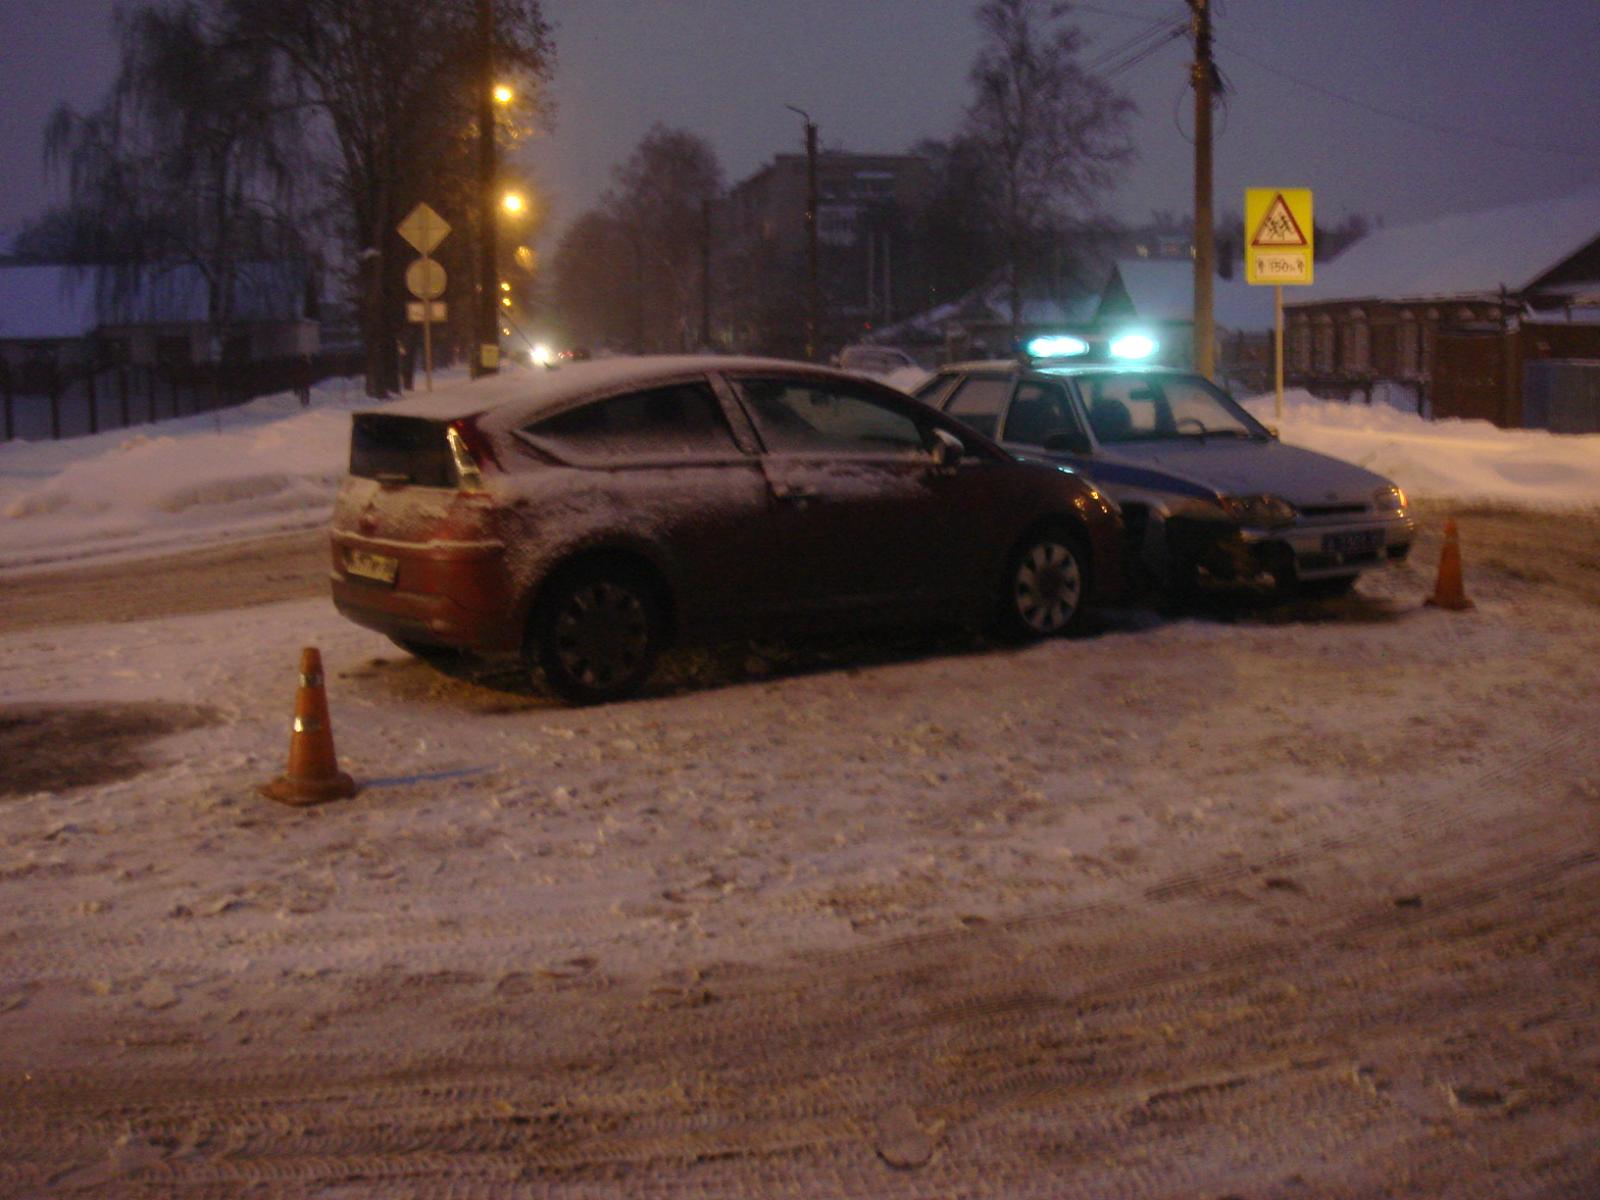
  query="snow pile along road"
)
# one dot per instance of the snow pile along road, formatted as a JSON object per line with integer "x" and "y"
{"x": 1449, "y": 459}
{"x": 265, "y": 467}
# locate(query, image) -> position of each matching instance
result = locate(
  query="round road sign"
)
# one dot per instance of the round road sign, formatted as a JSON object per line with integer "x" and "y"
{"x": 426, "y": 279}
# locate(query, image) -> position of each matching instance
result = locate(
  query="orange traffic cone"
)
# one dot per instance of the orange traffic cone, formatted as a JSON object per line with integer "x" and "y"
{"x": 1448, "y": 592}
{"x": 313, "y": 774}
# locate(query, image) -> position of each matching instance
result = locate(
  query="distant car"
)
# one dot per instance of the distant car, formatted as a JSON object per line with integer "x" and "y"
{"x": 583, "y": 518}
{"x": 1205, "y": 489}
{"x": 867, "y": 359}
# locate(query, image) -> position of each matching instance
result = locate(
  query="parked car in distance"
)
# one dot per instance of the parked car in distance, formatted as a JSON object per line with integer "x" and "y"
{"x": 585, "y": 517}
{"x": 868, "y": 359}
{"x": 1205, "y": 489}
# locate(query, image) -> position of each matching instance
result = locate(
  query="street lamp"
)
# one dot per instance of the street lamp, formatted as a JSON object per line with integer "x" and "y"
{"x": 503, "y": 93}
{"x": 514, "y": 203}
{"x": 486, "y": 358}
{"x": 813, "y": 296}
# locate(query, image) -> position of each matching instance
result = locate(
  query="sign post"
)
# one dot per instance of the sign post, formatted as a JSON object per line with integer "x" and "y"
{"x": 426, "y": 279}
{"x": 1278, "y": 250}
{"x": 425, "y": 229}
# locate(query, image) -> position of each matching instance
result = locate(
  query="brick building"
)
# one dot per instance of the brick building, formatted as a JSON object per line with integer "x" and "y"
{"x": 865, "y": 258}
{"x": 1492, "y": 315}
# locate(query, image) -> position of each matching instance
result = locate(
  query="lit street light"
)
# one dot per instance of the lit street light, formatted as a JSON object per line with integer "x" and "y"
{"x": 503, "y": 94}
{"x": 513, "y": 203}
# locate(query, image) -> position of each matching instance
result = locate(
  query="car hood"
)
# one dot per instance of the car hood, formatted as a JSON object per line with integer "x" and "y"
{"x": 1245, "y": 468}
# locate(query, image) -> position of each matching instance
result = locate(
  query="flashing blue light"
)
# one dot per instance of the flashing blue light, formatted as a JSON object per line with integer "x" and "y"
{"x": 1133, "y": 345}
{"x": 1057, "y": 345}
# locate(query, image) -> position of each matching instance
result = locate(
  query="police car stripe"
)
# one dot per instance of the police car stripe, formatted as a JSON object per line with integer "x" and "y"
{"x": 1114, "y": 475}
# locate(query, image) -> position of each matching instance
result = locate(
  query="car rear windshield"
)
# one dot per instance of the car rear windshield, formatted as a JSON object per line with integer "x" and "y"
{"x": 410, "y": 449}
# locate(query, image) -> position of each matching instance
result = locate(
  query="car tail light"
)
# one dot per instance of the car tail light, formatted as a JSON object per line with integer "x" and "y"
{"x": 472, "y": 451}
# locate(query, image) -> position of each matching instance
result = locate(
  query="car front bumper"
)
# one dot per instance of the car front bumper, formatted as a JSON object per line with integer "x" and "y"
{"x": 1311, "y": 550}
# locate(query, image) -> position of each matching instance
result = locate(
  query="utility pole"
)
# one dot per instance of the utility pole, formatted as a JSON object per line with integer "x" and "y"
{"x": 705, "y": 273}
{"x": 486, "y": 358}
{"x": 1205, "y": 256}
{"x": 813, "y": 295}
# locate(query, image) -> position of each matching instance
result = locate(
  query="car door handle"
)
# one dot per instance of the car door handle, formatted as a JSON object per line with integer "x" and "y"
{"x": 793, "y": 491}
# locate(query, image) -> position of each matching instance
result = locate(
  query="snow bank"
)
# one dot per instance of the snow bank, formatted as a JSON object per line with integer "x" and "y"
{"x": 1445, "y": 459}
{"x": 272, "y": 466}
{"x": 267, "y": 466}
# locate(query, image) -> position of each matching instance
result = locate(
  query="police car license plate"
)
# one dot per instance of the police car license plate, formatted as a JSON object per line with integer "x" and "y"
{"x": 1362, "y": 541}
{"x": 378, "y": 567}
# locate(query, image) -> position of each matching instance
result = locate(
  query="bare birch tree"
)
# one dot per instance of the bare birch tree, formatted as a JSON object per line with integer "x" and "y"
{"x": 1055, "y": 134}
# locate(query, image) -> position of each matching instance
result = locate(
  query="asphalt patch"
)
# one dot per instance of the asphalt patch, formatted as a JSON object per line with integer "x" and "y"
{"x": 54, "y": 748}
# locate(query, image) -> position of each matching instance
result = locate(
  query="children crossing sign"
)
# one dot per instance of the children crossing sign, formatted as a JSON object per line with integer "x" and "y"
{"x": 1278, "y": 235}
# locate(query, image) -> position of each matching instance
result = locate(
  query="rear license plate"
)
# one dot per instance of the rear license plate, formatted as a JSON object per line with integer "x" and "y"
{"x": 378, "y": 567}
{"x": 1363, "y": 541}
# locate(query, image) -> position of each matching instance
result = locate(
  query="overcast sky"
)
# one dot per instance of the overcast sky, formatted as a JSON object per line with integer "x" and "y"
{"x": 1400, "y": 108}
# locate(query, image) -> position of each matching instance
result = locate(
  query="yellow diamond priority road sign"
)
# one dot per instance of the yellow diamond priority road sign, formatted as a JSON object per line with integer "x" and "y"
{"x": 1278, "y": 235}
{"x": 424, "y": 228}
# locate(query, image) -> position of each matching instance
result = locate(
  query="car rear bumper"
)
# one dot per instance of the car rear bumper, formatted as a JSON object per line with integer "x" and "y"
{"x": 451, "y": 594}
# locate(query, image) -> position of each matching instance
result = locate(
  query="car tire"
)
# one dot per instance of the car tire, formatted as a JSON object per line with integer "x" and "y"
{"x": 1044, "y": 586}
{"x": 597, "y": 633}
{"x": 1325, "y": 589}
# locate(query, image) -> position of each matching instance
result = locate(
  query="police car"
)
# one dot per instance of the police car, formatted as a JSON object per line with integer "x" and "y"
{"x": 1206, "y": 490}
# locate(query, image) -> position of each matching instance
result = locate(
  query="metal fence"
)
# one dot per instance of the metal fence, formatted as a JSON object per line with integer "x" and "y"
{"x": 52, "y": 403}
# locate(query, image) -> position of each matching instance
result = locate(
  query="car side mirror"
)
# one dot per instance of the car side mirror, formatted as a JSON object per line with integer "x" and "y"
{"x": 1068, "y": 441}
{"x": 947, "y": 448}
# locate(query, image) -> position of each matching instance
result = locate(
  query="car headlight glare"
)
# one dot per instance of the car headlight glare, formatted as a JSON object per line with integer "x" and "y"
{"x": 1389, "y": 499}
{"x": 1258, "y": 510}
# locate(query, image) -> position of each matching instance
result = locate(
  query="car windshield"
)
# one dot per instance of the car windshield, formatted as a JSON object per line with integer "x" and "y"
{"x": 1132, "y": 407}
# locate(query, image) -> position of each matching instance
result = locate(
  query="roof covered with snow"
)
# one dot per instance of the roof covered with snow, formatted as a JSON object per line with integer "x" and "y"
{"x": 1466, "y": 254}
{"x": 1163, "y": 290}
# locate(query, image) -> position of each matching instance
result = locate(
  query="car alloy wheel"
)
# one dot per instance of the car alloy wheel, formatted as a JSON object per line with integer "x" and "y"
{"x": 599, "y": 636}
{"x": 1045, "y": 587}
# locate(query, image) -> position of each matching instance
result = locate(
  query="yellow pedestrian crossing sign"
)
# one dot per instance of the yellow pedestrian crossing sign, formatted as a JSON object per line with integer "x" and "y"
{"x": 1278, "y": 235}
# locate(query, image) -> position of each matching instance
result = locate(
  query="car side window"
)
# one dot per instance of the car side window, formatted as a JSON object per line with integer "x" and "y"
{"x": 803, "y": 417}
{"x": 684, "y": 419}
{"x": 932, "y": 392}
{"x": 1037, "y": 411}
{"x": 979, "y": 402}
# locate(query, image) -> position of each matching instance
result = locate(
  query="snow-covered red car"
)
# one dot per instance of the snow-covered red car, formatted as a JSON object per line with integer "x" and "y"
{"x": 581, "y": 518}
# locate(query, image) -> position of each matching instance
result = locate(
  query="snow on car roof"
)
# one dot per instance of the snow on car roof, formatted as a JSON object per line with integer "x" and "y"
{"x": 529, "y": 389}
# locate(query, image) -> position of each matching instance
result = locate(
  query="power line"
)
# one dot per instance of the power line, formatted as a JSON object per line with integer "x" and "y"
{"x": 1119, "y": 15}
{"x": 1135, "y": 50}
{"x": 1460, "y": 131}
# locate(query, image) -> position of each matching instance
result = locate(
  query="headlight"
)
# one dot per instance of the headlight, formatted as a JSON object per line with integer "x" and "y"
{"x": 1389, "y": 500}
{"x": 1258, "y": 510}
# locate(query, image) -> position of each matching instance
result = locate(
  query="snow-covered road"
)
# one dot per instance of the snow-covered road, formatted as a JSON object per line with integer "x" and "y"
{"x": 1257, "y": 900}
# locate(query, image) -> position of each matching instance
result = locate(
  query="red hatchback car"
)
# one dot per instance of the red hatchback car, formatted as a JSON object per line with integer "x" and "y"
{"x": 583, "y": 518}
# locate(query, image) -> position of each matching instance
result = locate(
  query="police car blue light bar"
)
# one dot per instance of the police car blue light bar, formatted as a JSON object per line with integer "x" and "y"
{"x": 1056, "y": 345}
{"x": 1132, "y": 345}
